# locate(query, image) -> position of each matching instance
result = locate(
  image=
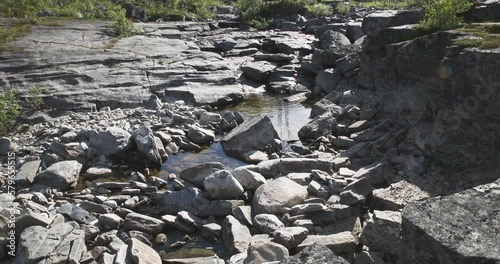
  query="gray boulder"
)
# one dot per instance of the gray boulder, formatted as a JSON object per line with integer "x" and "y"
{"x": 344, "y": 242}
{"x": 143, "y": 223}
{"x": 290, "y": 237}
{"x": 267, "y": 223}
{"x": 60, "y": 243}
{"x": 327, "y": 80}
{"x": 76, "y": 213}
{"x": 250, "y": 180}
{"x": 259, "y": 70}
{"x": 61, "y": 175}
{"x": 197, "y": 174}
{"x": 5, "y": 146}
{"x": 141, "y": 253}
{"x": 460, "y": 228}
{"x": 193, "y": 201}
{"x": 331, "y": 39}
{"x": 222, "y": 185}
{"x": 322, "y": 125}
{"x": 200, "y": 135}
{"x": 27, "y": 173}
{"x": 146, "y": 144}
{"x": 112, "y": 141}
{"x": 264, "y": 252}
{"x": 235, "y": 236}
{"x": 315, "y": 254}
{"x": 381, "y": 232}
{"x": 256, "y": 133}
{"x": 275, "y": 195}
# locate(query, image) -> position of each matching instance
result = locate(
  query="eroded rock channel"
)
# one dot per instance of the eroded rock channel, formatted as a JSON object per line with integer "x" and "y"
{"x": 328, "y": 140}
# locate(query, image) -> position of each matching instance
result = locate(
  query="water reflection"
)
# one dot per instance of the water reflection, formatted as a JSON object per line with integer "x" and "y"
{"x": 287, "y": 119}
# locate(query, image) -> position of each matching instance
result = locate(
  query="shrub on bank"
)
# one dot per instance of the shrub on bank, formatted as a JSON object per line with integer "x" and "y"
{"x": 443, "y": 14}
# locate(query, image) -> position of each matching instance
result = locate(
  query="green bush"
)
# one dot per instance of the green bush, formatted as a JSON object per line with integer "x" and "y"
{"x": 319, "y": 9}
{"x": 9, "y": 111}
{"x": 442, "y": 14}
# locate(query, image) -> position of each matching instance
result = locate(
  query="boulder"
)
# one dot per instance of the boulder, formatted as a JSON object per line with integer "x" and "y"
{"x": 235, "y": 236}
{"x": 61, "y": 175}
{"x": 27, "y": 173}
{"x": 264, "y": 252}
{"x": 208, "y": 117}
{"x": 112, "y": 141}
{"x": 256, "y": 133}
{"x": 331, "y": 39}
{"x": 250, "y": 180}
{"x": 460, "y": 228}
{"x": 390, "y": 18}
{"x": 193, "y": 201}
{"x": 57, "y": 244}
{"x": 267, "y": 223}
{"x": 141, "y": 253}
{"x": 146, "y": 144}
{"x": 6, "y": 146}
{"x": 200, "y": 135}
{"x": 258, "y": 70}
{"x": 197, "y": 174}
{"x": 327, "y": 80}
{"x": 348, "y": 63}
{"x": 222, "y": 185}
{"x": 285, "y": 166}
{"x": 315, "y": 254}
{"x": 354, "y": 31}
{"x": 144, "y": 223}
{"x": 322, "y": 125}
{"x": 381, "y": 232}
{"x": 290, "y": 237}
{"x": 274, "y": 196}
{"x": 111, "y": 221}
{"x": 339, "y": 243}
{"x": 76, "y": 213}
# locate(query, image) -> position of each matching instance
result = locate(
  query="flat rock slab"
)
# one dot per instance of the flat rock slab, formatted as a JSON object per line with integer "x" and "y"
{"x": 78, "y": 66}
{"x": 460, "y": 228}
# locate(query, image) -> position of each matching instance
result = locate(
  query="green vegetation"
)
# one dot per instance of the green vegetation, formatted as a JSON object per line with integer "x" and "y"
{"x": 343, "y": 7}
{"x": 319, "y": 9}
{"x": 487, "y": 36}
{"x": 35, "y": 99}
{"x": 9, "y": 110}
{"x": 443, "y": 14}
{"x": 9, "y": 33}
{"x": 188, "y": 8}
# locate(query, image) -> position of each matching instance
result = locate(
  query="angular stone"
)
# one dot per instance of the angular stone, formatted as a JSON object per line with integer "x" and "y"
{"x": 222, "y": 185}
{"x": 235, "y": 236}
{"x": 285, "y": 166}
{"x": 381, "y": 232}
{"x": 112, "y": 141}
{"x": 275, "y": 195}
{"x": 255, "y": 133}
{"x": 143, "y": 223}
{"x": 290, "y": 237}
{"x": 250, "y": 180}
{"x": 259, "y": 70}
{"x": 315, "y": 254}
{"x": 264, "y": 252}
{"x": 197, "y": 174}
{"x": 339, "y": 243}
{"x": 200, "y": 135}
{"x": 141, "y": 253}
{"x": 61, "y": 175}
{"x": 146, "y": 144}
{"x": 26, "y": 174}
{"x": 396, "y": 196}
{"x": 112, "y": 221}
{"x": 267, "y": 223}
{"x": 76, "y": 213}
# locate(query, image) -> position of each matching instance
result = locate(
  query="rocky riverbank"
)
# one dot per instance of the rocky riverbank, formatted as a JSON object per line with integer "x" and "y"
{"x": 398, "y": 163}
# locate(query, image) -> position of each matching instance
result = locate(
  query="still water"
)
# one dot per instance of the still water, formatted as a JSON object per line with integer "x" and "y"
{"x": 287, "y": 119}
